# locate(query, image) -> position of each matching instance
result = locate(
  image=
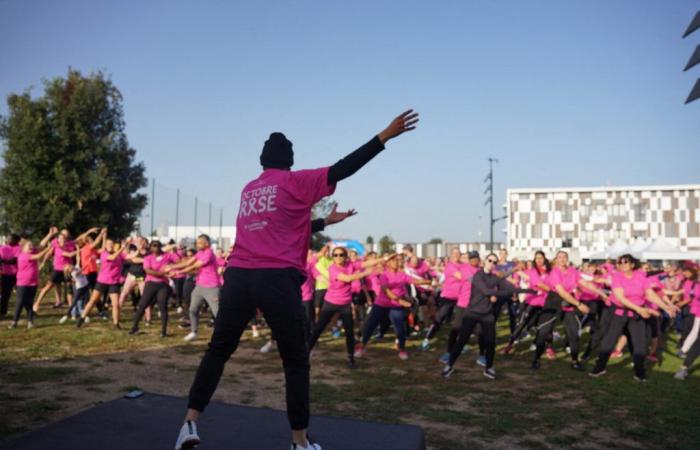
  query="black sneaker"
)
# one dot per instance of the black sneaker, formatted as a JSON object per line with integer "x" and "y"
{"x": 79, "y": 322}
{"x": 576, "y": 365}
{"x": 116, "y": 326}
{"x": 535, "y": 365}
{"x": 133, "y": 331}
{"x": 447, "y": 371}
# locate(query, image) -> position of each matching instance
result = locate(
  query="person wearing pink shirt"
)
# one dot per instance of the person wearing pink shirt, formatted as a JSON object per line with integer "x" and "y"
{"x": 111, "y": 260}
{"x": 28, "y": 276}
{"x": 690, "y": 350}
{"x": 207, "y": 284}
{"x": 341, "y": 274}
{"x": 64, "y": 251}
{"x": 420, "y": 268}
{"x": 266, "y": 270}
{"x": 157, "y": 289}
{"x": 631, "y": 295}
{"x": 448, "y": 296}
{"x": 8, "y": 260}
{"x": 536, "y": 279}
{"x": 468, "y": 271}
{"x": 358, "y": 289}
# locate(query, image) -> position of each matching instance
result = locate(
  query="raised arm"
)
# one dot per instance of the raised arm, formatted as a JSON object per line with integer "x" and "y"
{"x": 45, "y": 241}
{"x": 87, "y": 233}
{"x": 41, "y": 254}
{"x": 353, "y": 162}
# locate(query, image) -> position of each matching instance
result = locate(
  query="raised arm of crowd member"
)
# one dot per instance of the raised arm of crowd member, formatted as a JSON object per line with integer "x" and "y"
{"x": 644, "y": 312}
{"x": 355, "y": 160}
{"x": 593, "y": 288}
{"x": 367, "y": 265}
{"x": 503, "y": 288}
{"x": 87, "y": 233}
{"x": 44, "y": 248}
{"x": 99, "y": 238}
{"x": 670, "y": 308}
{"x": 332, "y": 218}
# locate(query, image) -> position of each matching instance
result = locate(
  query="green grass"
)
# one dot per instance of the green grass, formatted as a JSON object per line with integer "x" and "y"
{"x": 555, "y": 407}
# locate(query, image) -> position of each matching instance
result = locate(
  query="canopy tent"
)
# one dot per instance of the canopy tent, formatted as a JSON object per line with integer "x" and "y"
{"x": 661, "y": 249}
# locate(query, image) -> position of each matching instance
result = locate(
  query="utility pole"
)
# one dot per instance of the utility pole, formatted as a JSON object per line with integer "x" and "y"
{"x": 489, "y": 200}
{"x": 177, "y": 213}
{"x": 153, "y": 203}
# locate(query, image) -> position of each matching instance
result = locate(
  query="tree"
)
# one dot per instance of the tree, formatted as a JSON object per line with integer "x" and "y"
{"x": 369, "y": 240}
{"x": 435, "y": 241}
{"x": 386, "y": 245}
{"x": 67, "y": 159}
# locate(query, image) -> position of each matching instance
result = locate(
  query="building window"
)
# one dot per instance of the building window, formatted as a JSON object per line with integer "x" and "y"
{"x": 639, "y": 215}
{"x": 567, "y": 214}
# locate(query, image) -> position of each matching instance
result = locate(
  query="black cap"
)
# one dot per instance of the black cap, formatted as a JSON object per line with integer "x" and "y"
{"x": 473, "y": 254}
{"x": 277, "y": 152}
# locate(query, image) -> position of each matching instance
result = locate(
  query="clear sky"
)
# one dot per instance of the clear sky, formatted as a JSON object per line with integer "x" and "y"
{"x": 564, "y": 93}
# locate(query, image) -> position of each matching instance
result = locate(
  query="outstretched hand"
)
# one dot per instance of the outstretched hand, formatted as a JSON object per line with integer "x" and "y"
{"x": 405, "y": 122}
{"x": 335, "y": 216}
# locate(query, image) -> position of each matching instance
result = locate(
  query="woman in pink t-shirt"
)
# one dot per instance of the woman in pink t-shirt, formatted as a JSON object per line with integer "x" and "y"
{"x": 157, "y": 289}
{"x": 338, "y": 299}
{"x": 8, "y": 261}
{"x": 448, "y": 295}
{"x": 28, "y": 276}
{"x": 108, "y": 279}
{"x": 391, "y": 303}
{"x": 690, "y": 349}
{"x": 536, "y": 278}
{"x": 631, "y": 294}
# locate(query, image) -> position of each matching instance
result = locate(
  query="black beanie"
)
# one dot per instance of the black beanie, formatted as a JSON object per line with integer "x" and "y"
{"x": 277, "y": 152}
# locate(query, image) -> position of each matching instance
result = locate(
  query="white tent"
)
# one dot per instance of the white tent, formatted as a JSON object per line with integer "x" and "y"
{"x": 661, "y": 249}
{"x": 638, "y": 247}
{"x": 613, "y": 251}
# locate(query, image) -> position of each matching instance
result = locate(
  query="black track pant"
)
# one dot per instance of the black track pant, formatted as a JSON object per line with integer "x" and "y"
{"x": 527, "y": 319}
{"x": 603, "y": 315}
{"x": 512, "y": 309}
{"x": 154, "y": 292}
{"x": 25, "y": 299}
{"x": 277, "y": 293}
{"x": 637, "y": 334}
{"x": 444, "y": 311}
{"x": 457, "y": 320}
{"x": 310, "y": 313}
{"x": 328, "y": 310}
{"x": 179, "y": 290}
{"x": 488, "y": 335}
{"x": 7, "y": 283}
{"x": 572, "y": 324}
{"x": 545, "y": 324}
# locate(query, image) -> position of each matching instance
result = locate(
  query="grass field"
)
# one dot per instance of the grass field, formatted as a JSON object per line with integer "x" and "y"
{"x": 54, "y": 370}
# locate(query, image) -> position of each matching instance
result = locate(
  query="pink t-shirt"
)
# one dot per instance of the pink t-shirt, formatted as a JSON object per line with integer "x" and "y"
{"x": 307, "y": 288}
{"x": 468, "y": 271}
{"x": 207, "y": 276}
{"x": 536, "y": 278}
{"x": 110, "y": 271}
{"x": 59, "y": 260}
{"x": 396, "y": 282}
{"x": 9, "y": 252}
{"x": 356, "y": 286}
{"x": 27, "y": 270}
{"x": 584, "y": 294}
{"x": 634, "y": 289}
{"x": 695, "y": 302}
{"x": 568, "y": 279}
{"x": 422, "y": 269}
{"x": 374, "y": 282}
{"x": 451, "y": 286}
{"x": 339, "y": 292}
{"x": 273, "y": 228}
{"x": 157, "y": 263}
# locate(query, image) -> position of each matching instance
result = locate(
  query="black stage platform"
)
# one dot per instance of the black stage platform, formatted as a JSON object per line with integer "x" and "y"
{"x": 152, "y": 422}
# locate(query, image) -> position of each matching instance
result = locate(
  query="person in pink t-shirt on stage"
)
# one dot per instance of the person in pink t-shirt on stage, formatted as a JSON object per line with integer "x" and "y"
{"x": 267, "y": 268}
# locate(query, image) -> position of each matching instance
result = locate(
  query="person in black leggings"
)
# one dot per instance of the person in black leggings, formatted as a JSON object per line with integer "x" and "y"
{"x": 338, "y": 299}
{"x": 487, "y": 287}
{"x": 157, "y": 288}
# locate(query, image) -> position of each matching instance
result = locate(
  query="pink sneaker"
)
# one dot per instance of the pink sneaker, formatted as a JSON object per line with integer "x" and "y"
{"x": 616, "y": 354}
{"x": 359, "y": 351}
{"x": 550, "y": 353}
{"x": 653, "y": 359}
{"x": 403, "y": 355}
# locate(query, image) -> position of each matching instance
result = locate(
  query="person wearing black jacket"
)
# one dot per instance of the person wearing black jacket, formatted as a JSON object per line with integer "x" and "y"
{"x": 487, "y": 288}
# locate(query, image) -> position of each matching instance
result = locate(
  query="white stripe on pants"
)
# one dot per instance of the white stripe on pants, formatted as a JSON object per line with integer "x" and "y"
{"x": 692, "y": 336}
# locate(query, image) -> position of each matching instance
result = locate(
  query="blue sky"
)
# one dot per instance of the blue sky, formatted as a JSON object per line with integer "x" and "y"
{"x": 562, "y": 93}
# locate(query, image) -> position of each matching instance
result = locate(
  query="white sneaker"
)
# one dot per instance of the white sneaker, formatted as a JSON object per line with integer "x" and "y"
{"x": 179, "y": 309}
{"x": 64, "y": 319}
{"x": 309, "y": 446}
{"x": 30, "y": 325}
{"x": 256, "y": 333}
{"x": 87, "y": 319}
{"x": 188, "y": 437}
{"x": 266, "y": 348}
{"x": 191, "y": 337}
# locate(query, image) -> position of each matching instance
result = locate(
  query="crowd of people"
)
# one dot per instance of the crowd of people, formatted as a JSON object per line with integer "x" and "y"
{"x": 621, "y": 304}
{"x": 270, "y": 273}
